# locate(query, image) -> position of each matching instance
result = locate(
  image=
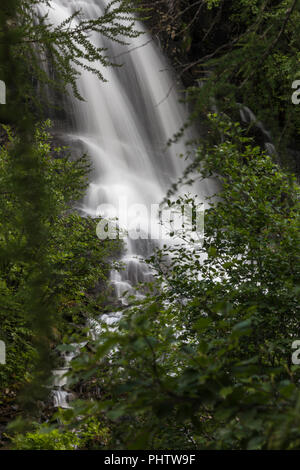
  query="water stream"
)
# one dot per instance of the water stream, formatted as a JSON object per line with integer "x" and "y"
{"x": 124, "y": 126}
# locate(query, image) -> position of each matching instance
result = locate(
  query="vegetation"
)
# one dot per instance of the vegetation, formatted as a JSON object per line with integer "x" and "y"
{"x": 204, "y": 361}
{"x": 74, "y": 256}
{"x": 89, "y": 435}
{"x": 242, "y": 53}
{"x": 51, "y": 55}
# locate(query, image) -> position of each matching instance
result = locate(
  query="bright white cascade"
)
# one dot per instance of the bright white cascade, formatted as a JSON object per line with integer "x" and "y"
{"x": 124, "y": 126}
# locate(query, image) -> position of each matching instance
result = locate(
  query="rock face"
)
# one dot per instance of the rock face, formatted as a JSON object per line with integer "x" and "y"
{"x": 192, "y": 35}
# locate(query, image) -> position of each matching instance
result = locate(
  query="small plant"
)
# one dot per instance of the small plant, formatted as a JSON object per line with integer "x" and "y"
{"x": 89, "y": 435}
{"x": 45, "y": 439}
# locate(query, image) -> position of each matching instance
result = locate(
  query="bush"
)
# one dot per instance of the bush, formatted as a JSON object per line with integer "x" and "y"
{"x": 206, "y": 363}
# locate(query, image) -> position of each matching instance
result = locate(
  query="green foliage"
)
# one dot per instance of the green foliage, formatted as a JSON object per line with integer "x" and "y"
{"x": 53, "y": 440}
{"x": 75, "y": 257}
{"x": 89, "y": 434}
{"x": 205, "y": 361}
{"x": 243, "y": 53}
{"x": 212, "y": 3}
{"x": 67, "y": 46}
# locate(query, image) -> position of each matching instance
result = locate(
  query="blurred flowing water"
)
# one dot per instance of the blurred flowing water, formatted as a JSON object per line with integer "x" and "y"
{"x": 124, "y": 126}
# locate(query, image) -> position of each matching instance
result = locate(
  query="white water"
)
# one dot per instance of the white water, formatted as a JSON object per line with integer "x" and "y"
{"x": 124, "y": 126}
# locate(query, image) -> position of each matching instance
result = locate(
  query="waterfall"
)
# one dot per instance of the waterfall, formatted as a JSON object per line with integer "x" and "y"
{"x": 124, "y": 126}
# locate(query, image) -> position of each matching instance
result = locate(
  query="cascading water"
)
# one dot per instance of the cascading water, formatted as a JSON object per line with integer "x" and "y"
{"x": 124, "y": 126}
